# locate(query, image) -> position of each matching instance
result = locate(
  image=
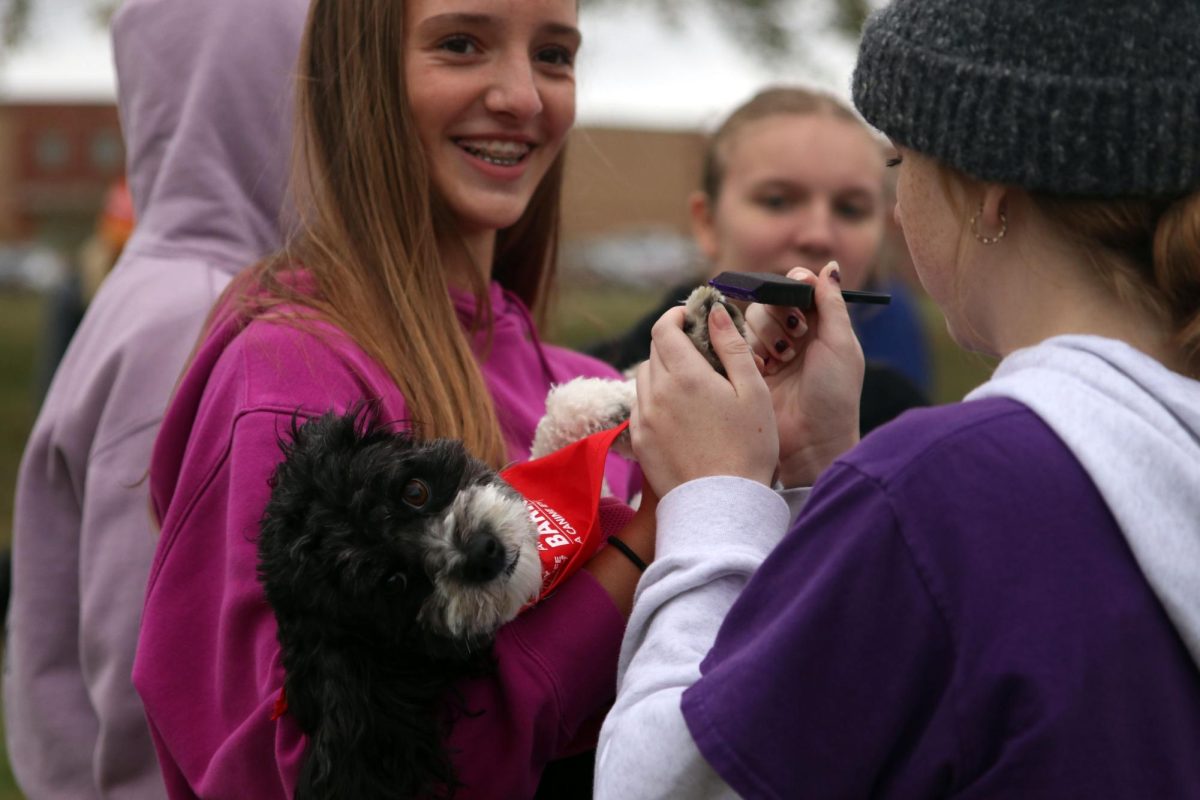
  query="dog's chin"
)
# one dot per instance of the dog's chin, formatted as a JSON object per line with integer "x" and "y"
{"x": 462, "y": 609}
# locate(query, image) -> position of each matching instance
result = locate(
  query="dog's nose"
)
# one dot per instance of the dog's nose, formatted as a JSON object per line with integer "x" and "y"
{"x": 486, "y": 558}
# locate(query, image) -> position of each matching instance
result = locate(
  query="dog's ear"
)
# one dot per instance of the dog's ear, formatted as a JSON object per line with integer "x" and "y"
{"x": 323, "y": 544}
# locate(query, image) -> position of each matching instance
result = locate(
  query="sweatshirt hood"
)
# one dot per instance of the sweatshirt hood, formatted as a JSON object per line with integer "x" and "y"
{"x": 508, "y": 313}
{"x": 1135, "y": 427}
{"x": 205, "y": 94}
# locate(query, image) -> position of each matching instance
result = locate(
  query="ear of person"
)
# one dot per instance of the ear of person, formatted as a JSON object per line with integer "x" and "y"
{"x": 990, "y": 223}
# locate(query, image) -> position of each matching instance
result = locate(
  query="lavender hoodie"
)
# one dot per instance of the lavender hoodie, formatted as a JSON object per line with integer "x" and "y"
{"x": 208, "y": 662}
{"x": 204, "y": 93}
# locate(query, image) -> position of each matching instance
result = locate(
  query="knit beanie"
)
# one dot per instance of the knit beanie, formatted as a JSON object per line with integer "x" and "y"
{"x": 1096, "y": 98}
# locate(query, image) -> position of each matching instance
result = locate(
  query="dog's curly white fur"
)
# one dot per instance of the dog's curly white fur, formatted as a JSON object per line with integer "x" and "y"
{"x": 581, "y": 407}
{"x": 584, "y": 406}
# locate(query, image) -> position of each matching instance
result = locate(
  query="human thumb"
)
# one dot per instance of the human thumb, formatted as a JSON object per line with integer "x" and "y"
{"x": 731, "y": 348}
{"x": 833, "y": 318}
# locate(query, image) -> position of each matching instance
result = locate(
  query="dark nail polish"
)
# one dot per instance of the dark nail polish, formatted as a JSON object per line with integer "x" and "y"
{"x": 792, "y": 321}
{"x": 837, "y": 276}
{"x": 781, "y": 346}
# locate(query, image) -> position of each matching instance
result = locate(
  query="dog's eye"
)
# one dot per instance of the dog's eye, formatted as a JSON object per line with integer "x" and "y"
{"x": 416, "y": 493}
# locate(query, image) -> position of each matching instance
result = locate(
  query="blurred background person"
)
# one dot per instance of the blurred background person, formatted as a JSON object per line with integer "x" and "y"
{"x": 95, "y": 259}
{"x": 791, "y": 178}
{"x": 896, "y": 334}
{"x": 204, "y": 94}
{"x": 65, "y": 305}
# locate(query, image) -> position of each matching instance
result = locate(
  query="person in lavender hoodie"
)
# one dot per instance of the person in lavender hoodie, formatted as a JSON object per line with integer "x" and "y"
{"x": 996, "y": 598}
{"x": 205, "y": 101}
{"x": 430, "y": 138}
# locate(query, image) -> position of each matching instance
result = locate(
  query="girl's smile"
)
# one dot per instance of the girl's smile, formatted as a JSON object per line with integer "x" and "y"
{"x": 492, "y": 91}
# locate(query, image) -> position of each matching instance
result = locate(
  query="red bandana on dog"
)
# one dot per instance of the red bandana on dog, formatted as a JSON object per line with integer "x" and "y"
{"x": 562, "y": 494}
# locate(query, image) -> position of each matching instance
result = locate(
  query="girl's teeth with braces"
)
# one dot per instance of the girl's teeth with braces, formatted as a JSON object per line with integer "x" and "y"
{"x": 503, "y": 154}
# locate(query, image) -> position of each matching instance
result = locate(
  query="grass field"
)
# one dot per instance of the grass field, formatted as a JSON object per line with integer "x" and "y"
{"x": 585, "y": 313}
{"x": 20, "y": 326}
{"x": 956, "y": 371}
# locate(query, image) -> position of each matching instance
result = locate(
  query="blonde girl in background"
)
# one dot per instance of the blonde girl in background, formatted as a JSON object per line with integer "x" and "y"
{"x": 793, "y": 178}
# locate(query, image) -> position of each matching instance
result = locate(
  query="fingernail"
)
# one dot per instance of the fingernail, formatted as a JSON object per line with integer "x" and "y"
{"x": 718, "y": 317}
{"x": 784, "y": 350}
{"x": 837, "y": 276}
{"x": 792, "y": 321}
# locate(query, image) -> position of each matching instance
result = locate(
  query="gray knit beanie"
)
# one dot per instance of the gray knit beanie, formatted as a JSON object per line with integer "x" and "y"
{"x": 1074, "y": 97}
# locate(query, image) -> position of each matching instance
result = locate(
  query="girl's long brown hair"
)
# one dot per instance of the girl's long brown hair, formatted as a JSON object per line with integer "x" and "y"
{"x": 371, "y": 228}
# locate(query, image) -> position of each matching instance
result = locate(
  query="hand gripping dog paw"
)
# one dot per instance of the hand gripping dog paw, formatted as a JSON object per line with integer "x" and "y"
{"x": 391, "y": 562}
{"x": 583, "y": 406}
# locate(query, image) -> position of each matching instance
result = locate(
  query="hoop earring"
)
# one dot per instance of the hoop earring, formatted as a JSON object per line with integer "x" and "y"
{"x": 988, "y": 239}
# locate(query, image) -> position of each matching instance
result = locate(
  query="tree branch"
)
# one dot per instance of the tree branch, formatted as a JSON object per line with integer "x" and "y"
{"x": 14, "y": 22}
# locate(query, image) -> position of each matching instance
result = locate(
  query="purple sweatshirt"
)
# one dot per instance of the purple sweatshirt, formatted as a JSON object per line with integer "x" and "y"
{"x": 944, "y": 632}
{"x": 204, "y": 97}
{"x": 208, "y": 663}
{"x": 966, "y": 606}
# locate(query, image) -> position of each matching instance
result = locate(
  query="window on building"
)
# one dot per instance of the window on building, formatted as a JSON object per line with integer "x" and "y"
{"x": 106, "y": 151}
{"x": 53, "y": 150}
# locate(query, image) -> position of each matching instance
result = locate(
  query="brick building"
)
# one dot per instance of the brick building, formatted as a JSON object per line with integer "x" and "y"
{"x": 629, "y": 179}
{"x": 56, "y": 161}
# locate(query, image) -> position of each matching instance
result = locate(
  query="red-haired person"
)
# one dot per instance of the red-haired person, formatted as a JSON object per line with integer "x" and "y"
{"x": 992, "y": 598}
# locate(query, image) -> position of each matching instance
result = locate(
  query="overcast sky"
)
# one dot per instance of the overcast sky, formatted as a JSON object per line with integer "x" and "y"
{"x": 634, "y": 68}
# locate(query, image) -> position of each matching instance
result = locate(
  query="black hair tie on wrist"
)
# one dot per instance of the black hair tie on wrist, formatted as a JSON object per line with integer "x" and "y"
{"x": 628, "y": 551}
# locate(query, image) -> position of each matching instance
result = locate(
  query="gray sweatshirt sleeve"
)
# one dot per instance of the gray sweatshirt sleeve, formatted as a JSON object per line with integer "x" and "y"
{"x": 712, "y": 534}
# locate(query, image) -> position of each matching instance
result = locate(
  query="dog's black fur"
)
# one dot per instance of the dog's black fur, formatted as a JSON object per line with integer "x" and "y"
{"x": 344, "y": 560}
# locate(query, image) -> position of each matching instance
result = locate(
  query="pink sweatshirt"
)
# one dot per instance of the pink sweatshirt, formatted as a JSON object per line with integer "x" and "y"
{"x": 208, "y": 664}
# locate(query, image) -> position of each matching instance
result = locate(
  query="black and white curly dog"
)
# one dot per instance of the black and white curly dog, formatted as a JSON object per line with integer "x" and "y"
{"x": 390, "y": 564}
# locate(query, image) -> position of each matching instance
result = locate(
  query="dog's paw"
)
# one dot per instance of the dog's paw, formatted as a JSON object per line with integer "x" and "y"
{"x": 695, "y": 325}
{"x": 579, "y": 408}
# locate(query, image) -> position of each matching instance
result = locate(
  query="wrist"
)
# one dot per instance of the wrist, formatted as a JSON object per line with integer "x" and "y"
{"x": 614, "y": 570}
{"x": 804, "y": 466}
{"x": 763, "y": 473}
{"x": 628, "y": 552}
{"x": 638, "y": 535}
